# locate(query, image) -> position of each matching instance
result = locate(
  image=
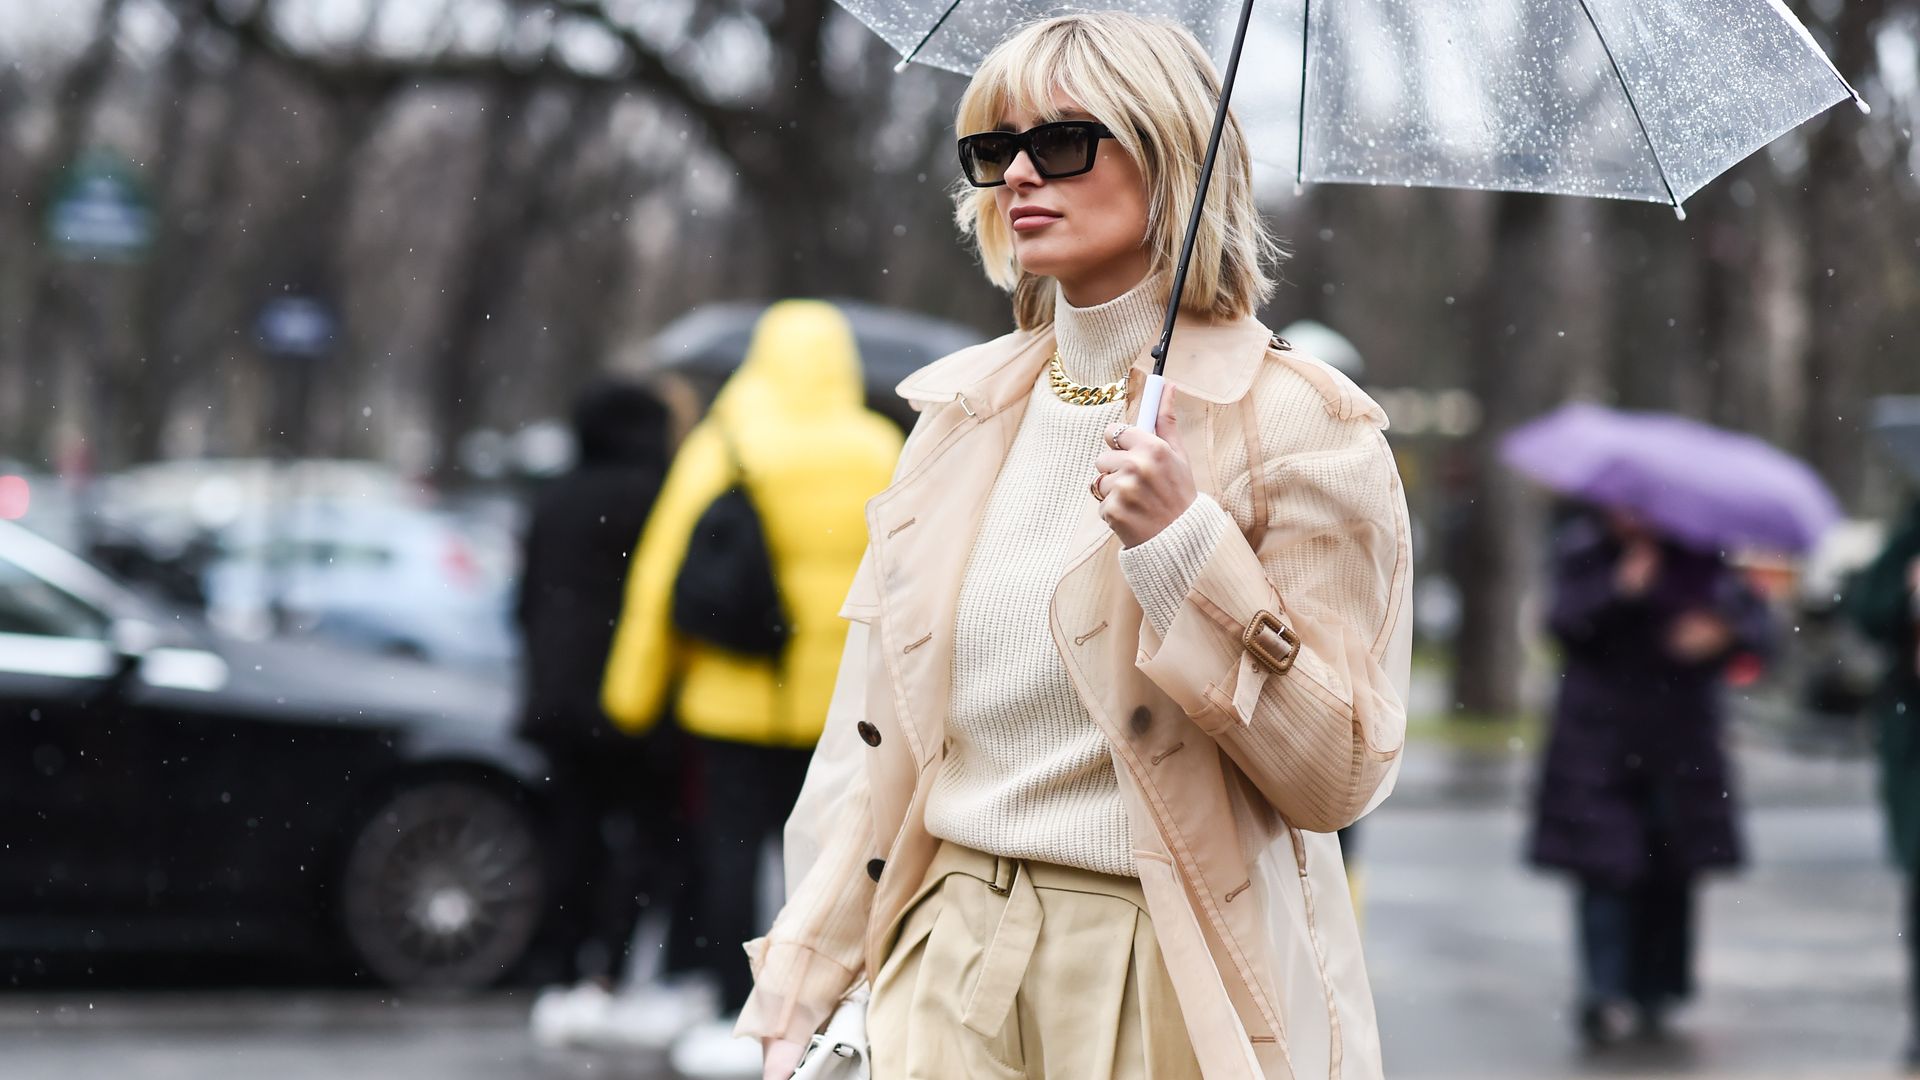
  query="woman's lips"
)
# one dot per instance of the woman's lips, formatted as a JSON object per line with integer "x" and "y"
{"x": 1032, "y": 220}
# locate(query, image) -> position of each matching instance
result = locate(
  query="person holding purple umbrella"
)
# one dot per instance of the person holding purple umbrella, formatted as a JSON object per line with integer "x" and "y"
{"x": 1636, "y": 793}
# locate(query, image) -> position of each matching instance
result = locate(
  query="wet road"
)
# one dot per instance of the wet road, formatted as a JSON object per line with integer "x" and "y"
{"x": 1801, "y": 975}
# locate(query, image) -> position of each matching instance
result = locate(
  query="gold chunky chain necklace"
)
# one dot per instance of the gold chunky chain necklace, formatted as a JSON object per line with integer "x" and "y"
{"x": 1074, "y": 393}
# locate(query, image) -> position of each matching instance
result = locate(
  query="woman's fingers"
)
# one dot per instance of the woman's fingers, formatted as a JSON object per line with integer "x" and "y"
{"x": 1136, "y": 447}
{"x": 780, "y": 1058}
{"x": 1142, "y": 479}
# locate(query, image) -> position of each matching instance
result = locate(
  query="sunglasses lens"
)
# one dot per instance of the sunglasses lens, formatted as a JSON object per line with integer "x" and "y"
{"x": 1062, "y": 149}
{"x": 986, "y": 156}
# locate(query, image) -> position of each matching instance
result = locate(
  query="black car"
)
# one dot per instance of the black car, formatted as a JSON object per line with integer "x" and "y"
{"x": 166, "y": 788}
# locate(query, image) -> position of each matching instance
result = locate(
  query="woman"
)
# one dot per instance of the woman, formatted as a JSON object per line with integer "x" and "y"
{"x": 1635, "y": 796}
{"x": 1108, "y": 692}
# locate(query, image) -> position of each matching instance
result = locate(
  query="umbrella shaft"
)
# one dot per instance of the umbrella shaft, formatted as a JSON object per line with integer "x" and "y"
{"x": 1200, "y": 192}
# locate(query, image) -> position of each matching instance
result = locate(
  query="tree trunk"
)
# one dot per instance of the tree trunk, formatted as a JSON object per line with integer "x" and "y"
{"x": 55, "y": 303}
{"x": 1515, "y": 375}
{"x": 1842, "y": 228}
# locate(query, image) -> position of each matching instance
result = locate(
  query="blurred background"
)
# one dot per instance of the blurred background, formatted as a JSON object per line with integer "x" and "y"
{"x": 297, "y": 300}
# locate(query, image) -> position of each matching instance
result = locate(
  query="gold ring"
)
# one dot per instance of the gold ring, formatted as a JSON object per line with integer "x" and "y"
{"x": 1098, "y": 496}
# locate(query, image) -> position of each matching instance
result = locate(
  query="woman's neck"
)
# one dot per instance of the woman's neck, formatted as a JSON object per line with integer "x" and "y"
{"x": 1095, "y": 285}
{"x": 1097, "y": 343}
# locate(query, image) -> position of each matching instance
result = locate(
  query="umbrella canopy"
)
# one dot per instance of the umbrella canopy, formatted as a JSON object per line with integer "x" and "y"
{"x": 1630, "y": 99}
{"x": 1705, "y": 487}
{"x": 1896, "y": 423}
{"x": 709, "y": 342}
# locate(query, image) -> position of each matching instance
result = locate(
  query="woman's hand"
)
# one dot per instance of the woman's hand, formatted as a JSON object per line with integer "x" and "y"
{"x": 1638, "y": 568}
{"x": 780, "y": 1058}
{"x": 1144, "y": 478}
{"x": 1699, "y": 636}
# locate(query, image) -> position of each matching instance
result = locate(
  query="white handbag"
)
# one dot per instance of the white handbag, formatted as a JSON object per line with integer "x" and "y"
{"x": 839, "y": 1052}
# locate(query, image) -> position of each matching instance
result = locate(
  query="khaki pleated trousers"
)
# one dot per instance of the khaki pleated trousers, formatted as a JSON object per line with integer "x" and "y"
{"x": 1014, "y": 968}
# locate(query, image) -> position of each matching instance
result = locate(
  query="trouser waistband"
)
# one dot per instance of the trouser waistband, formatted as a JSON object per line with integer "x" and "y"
{"x": 1004, "y": 965}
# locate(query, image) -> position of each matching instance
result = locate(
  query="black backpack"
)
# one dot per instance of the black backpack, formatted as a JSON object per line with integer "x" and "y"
{"x": 725, "y": 594}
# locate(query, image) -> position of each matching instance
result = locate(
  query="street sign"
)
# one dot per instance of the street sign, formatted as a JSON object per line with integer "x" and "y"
{"x": 300, "y": 327}
{"x": 100, "y": 211}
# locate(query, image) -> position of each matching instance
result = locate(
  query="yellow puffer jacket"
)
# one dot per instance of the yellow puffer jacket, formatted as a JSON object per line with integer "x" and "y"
{"x": 812, "y": 454}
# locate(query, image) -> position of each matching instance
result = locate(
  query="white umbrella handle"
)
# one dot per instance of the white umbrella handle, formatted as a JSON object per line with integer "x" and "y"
{"x": 1149, "y": 417}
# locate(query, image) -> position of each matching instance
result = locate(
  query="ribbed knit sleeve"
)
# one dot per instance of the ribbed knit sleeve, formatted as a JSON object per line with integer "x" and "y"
{"x": 1162, "y": 569}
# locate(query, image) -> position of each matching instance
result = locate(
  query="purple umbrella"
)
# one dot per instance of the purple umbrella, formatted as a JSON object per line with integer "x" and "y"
{"x": 1703, "y": 486}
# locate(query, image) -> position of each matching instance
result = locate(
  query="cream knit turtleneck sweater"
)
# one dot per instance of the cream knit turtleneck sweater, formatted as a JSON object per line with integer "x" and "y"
{"x": 1027, "y": 772}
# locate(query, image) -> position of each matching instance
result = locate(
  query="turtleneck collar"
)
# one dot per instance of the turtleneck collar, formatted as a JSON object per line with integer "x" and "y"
{"x": 1098, "y": 343}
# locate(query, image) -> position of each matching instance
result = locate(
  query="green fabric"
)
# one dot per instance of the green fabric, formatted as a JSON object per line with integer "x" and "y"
{"x": 1880, "y": 601}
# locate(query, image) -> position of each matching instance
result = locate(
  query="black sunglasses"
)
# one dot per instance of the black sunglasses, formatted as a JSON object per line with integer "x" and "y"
{"x": 1062, "y": 148}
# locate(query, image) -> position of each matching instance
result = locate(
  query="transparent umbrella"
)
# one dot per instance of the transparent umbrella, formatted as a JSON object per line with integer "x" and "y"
{"x": 1628, "y": 99}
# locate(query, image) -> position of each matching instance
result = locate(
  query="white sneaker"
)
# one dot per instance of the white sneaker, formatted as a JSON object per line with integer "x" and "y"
{"x": 562, "y": 1013}
{"x": 651, "y": 1017}
{"x": 710, "y": 1050}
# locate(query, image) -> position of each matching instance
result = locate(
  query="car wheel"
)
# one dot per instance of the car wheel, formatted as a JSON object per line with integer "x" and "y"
{"x": 443, "y": 887}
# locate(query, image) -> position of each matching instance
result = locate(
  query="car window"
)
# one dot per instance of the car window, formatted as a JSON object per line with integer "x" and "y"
{"x": 315, "y": 554}
{"x": 346, "y": 555}
{"x": 30, "y": 605}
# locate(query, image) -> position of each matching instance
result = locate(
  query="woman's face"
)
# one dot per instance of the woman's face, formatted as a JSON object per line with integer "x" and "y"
{"x": 1088, "y": 231}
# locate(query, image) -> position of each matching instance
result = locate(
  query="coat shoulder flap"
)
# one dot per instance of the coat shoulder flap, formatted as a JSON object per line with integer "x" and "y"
{"x": 939, "y": 382}
{"x": 1289, "y": 371}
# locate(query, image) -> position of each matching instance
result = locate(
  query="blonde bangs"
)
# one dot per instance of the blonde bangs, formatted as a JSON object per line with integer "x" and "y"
{"x": 1153, "y": 86}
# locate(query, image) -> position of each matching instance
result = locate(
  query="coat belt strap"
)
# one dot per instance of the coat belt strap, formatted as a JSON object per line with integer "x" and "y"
{"x": 1005, "y": 964}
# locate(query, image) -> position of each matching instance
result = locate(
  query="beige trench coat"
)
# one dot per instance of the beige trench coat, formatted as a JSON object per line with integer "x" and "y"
{"x": 1234, "y": 774}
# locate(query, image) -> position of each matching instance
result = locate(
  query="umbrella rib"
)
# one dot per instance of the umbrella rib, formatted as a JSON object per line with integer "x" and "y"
{"x": 1800, "y": 29}
{"x": 926, "y": 37}
{"x": 1300, "y": 148}
{"x": 1626, "y": 90}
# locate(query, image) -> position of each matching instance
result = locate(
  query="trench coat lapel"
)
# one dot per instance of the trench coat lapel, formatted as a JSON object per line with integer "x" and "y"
{"x": 921, "y": 529}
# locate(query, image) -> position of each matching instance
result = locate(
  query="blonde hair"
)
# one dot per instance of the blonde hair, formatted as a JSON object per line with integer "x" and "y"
{"x": 1152, "y": 85}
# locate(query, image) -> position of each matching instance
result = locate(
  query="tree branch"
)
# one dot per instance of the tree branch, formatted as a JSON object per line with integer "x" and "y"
{"x": 366, "y": 72}
{"x": 726, "y": 123}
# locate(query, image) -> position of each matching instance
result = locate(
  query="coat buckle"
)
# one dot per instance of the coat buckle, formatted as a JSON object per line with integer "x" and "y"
{"x": 1254, "y": 643}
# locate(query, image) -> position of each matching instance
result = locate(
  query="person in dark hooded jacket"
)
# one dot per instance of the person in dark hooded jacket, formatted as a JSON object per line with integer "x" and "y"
{"x": 617, "y": 808}
{"x": 1636, "y": 795}
{"x": 1884, "y": 601}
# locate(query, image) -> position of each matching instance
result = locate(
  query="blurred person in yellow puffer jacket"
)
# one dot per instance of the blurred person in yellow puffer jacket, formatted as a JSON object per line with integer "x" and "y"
{"x": 810, "y": 454}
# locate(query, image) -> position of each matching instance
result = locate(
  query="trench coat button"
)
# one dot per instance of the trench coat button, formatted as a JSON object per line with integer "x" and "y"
{"x": 1141, "y": 720}
{"x": 874, "y": 866}
{"x": 868, "y": 733}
